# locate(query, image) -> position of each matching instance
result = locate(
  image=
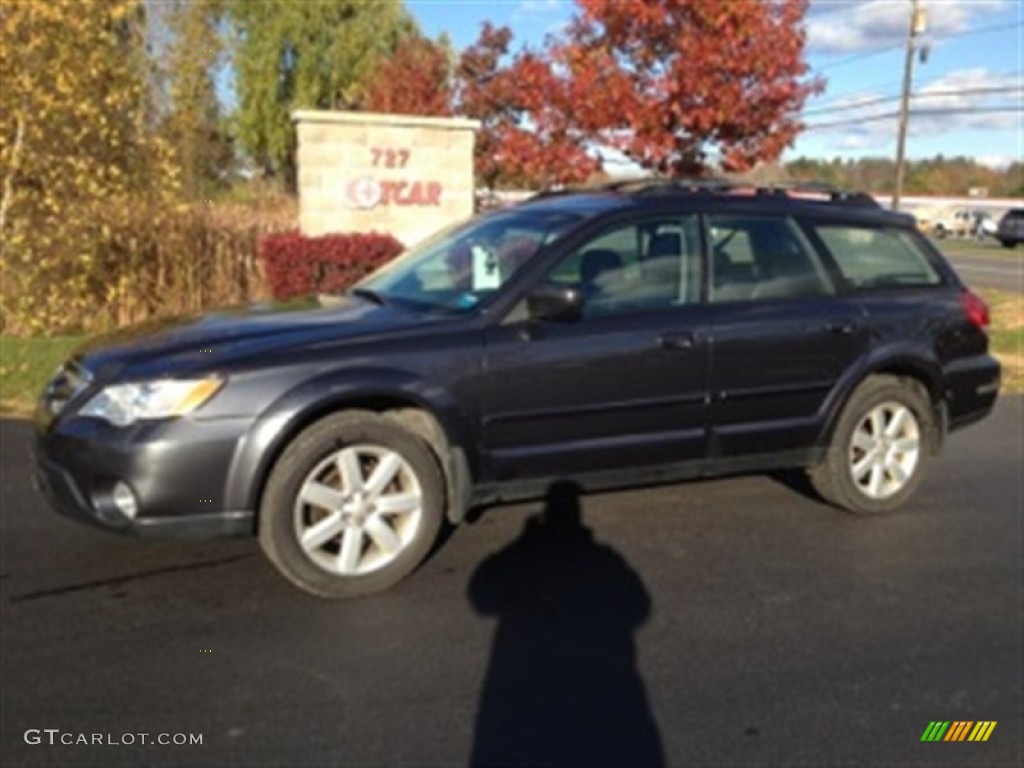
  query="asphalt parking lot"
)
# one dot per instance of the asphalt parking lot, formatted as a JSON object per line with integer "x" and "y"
{"x": 728, "y": 621}
{"x": 986, "y": 264}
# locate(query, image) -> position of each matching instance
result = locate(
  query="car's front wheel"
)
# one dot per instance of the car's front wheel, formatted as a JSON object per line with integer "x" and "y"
{"x": 879, "y": 448}
{"x": 352, "y": 506}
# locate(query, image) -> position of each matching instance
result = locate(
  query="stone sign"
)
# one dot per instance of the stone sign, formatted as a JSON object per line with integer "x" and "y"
{"x": 403, "y": 175}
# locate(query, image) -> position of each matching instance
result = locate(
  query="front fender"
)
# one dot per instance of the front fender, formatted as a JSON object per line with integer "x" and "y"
{"x": 275, "y": 427}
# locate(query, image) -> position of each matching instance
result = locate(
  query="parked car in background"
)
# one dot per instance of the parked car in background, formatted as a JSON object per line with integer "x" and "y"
{"x": 957, "y": 222}
{"x": 985, "y": 225}
{"x": 1010, "y": 231}
{"x": 631, "y": 334}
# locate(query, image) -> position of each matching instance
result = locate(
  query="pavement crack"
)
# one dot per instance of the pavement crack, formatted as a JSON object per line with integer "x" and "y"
{"x": 126, "y": 579}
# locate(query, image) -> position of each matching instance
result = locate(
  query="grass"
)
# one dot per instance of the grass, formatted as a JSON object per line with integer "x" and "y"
{"x": 1007, "y": 336}
{"x": 26, "y": 364}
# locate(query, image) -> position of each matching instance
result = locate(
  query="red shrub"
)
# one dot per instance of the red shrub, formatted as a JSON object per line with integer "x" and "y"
{"x": 296, "y": 265}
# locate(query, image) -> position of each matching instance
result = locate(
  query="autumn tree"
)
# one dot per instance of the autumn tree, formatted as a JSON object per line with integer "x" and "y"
{"x": 526, "y": 137}
{"x": 75, "y": 150}
{"x": 668, "y": 83}
{"x": 416, "y": 80}
{"x": 194, "y": 124}
{"x": 291, "y": 55}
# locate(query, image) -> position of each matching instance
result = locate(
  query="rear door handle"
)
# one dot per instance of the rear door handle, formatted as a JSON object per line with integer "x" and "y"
{"x": 676, "y": 341}
{"x": 842, "y": 327}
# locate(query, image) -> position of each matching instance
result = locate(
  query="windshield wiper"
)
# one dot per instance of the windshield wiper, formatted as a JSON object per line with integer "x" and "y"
{"x": 369, "y": 295}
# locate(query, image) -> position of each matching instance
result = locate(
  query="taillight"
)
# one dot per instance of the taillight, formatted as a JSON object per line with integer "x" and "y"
{"x": 975, "y": 309}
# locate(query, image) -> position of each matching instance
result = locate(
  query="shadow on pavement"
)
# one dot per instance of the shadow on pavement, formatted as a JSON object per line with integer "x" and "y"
{"x": 797, "y": 481}
{"x": 562, "y": 686}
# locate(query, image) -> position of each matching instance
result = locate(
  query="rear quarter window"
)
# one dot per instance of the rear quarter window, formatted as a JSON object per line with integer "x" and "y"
{"x": 877, "y": 258}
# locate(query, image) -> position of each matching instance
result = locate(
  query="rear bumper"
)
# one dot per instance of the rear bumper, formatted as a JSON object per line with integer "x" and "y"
{"x": 972, "y": 388}
{"x": 176, "y": 472}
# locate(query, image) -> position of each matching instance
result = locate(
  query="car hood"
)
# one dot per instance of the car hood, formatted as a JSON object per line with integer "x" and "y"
{"x": 184, "y": 344}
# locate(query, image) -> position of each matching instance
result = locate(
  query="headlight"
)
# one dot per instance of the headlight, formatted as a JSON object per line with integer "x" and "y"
{"x": 124, "y": 404}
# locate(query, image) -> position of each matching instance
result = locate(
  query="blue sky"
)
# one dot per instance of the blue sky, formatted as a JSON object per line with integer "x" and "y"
{"x": 976, "y": 46}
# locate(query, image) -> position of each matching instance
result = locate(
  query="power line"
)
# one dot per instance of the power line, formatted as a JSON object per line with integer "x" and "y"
{"x": 867, "y": 90}
{"x": 859, "y": 57}
{"x": 914, "y": 113}
{"x": 893, "y": 46}
{"x": 918, "y": 95}
{"x": 980, "y": 30}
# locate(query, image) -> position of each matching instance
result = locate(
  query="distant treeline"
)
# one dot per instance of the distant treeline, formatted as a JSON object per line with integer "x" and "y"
{"x": 934, "y": 176}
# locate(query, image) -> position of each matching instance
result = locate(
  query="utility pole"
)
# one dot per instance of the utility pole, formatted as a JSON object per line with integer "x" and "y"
{"x": 917, "y": 26}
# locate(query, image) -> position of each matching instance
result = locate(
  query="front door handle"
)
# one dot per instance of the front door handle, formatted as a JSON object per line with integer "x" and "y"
{"x": 676, "y": 341}
{"x": 842, "y": 327}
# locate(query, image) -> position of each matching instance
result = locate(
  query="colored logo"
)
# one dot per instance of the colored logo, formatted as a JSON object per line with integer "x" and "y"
{"x": 958, "y": 730}
{"x": 366, "y": 192}
{"x": 362, "y": 193}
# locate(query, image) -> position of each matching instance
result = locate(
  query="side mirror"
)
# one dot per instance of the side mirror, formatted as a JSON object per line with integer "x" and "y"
{"x": 550, "y": 301}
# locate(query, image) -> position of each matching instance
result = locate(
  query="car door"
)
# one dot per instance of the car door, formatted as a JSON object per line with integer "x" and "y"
{"x": 781, "y": 337}
{"x": 622, "y": 385}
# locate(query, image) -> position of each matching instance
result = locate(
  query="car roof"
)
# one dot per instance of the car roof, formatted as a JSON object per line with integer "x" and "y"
{"x": 816, "y": 201}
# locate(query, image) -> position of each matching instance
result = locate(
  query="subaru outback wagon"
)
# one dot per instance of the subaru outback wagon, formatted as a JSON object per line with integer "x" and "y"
{"x": 631, "y": 334}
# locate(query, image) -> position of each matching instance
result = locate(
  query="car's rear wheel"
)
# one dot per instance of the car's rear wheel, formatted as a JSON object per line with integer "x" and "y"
{"x": 879, "y": 448}
{"x": 352, "y": 506}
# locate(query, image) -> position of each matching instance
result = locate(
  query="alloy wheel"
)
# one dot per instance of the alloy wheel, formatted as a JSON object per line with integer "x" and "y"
{"x": 358, "y": 510}
{"x": 884, "y": 450}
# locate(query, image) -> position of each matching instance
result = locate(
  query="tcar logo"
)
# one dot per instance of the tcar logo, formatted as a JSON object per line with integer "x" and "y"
{"x": 362, "y": 193}
{"x": 366, "y": 192}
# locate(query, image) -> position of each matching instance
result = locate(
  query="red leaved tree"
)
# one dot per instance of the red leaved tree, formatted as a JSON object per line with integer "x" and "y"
{"x": 527, "y": 137}
{"x": 416, "y": 80}
{"x": 665, "y": 81}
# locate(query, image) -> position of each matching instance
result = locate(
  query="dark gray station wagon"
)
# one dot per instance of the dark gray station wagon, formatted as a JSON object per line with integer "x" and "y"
{"x": 638, "y": 333}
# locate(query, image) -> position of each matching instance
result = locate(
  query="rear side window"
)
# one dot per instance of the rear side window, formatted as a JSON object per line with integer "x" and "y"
{"x": 759, "y": 258}
{"x": 877, "y": 258}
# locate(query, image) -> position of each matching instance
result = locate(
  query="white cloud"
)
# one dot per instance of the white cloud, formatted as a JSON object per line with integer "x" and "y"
{"x": 997, "y": 162}
{"x": 534, "y": 7}
{"x": 960, "y": 97}
{"x": 872, "y": 24}
{"x": 968, "y": 91}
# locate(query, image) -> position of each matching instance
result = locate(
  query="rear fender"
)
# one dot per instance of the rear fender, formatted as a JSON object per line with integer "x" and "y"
{"x": 894, "y": 360}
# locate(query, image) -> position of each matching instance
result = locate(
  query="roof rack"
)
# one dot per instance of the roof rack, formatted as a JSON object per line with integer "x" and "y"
{"x": 834, "y": 194}
{"x": 715, "y": 185}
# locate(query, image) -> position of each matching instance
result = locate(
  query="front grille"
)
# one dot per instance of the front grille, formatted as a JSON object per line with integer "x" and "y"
{"x": 70, "y": 379}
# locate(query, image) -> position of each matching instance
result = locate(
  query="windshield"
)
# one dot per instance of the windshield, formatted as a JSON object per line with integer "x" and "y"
{"x": 456, "y": 269}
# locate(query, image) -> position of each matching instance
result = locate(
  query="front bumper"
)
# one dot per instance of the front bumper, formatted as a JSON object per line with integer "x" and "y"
{"x": 175, "y": 469}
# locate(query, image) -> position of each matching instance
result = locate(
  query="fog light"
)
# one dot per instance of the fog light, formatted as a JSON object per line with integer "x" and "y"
{"x": 124, "y": 500}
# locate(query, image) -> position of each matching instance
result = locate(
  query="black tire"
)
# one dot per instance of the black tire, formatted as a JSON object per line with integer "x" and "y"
{"x": 1009, "y": 243}
{"x": 833, "y": 477}
{"x": 278, "y": 507}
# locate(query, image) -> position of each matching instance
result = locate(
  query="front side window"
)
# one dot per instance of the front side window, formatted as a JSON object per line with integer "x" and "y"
{"x": 458, "y": 268}
{"x": 647, "y": 265}
{"x": 877, "y": 258}
{"x": 759, "y": 258}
